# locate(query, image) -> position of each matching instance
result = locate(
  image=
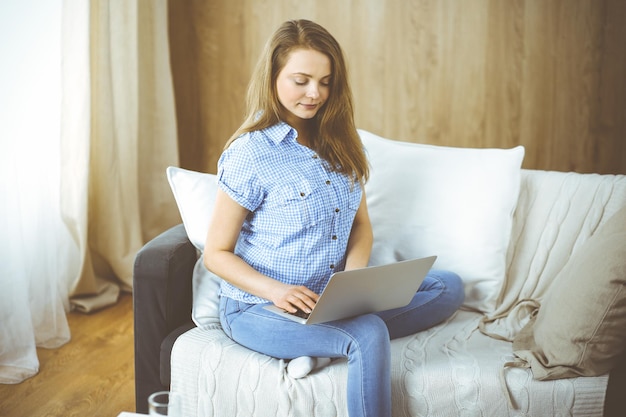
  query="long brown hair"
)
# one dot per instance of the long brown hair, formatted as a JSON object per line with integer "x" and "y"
{"x": 337, "y": 140}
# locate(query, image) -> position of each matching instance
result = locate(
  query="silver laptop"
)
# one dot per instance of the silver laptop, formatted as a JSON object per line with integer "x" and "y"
{"x": 366, "y": 290}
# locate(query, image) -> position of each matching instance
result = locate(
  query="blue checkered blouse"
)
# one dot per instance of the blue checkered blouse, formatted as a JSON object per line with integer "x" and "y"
{"x": 301, "y": 213}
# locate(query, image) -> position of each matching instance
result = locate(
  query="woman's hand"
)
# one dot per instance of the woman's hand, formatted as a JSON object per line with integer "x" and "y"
{"x": 293, "y": 297}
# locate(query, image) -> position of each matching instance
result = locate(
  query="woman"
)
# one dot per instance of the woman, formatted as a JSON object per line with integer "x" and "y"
{"x": 291, "y": 210}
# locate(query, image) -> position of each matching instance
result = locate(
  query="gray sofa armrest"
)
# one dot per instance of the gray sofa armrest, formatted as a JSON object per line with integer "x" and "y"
{"x": 162, "y": 302}
{"x": 614, "y": 400}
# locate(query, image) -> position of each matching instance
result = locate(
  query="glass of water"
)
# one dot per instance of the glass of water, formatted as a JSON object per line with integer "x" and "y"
{"x": 164, "y": 403}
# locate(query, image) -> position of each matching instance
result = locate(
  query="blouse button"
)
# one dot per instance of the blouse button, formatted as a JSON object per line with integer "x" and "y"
{"x": 334, "y": 237}
{"x": 327, "y": 182}
{"x": 301, "y": 194}
{"x": 336, "y": 210}
{"x": 315, "y": 156}
{"x": 332, "y": 266}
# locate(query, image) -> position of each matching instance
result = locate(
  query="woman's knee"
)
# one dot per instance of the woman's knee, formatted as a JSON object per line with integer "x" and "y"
{"x": 453, "y": 287}
{"x": 370, "y": 332}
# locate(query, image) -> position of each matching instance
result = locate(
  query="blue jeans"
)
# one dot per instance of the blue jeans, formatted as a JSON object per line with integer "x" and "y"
{"x": 364, "y": 340}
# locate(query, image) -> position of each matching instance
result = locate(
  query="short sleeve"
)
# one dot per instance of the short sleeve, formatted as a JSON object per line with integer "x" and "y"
{"x": 237, "y": 176}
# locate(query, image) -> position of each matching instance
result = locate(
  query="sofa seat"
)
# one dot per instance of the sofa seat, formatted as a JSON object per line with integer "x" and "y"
{"x": 452, "y": 368}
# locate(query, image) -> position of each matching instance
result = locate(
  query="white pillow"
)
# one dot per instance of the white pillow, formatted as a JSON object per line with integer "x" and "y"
{"x": 195, "y": 196}
{"x": 456, "y": 203}
{"x": 206, "y": 290}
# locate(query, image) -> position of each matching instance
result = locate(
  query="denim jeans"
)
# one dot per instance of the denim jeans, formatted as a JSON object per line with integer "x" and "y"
{"x": 364, "y": 340}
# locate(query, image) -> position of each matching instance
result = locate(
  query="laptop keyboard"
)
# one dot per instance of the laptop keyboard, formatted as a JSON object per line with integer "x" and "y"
{"x": 301, "y": 314}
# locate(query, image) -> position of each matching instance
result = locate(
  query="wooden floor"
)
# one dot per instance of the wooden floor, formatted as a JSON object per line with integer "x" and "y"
{"x": 92, "y": 375}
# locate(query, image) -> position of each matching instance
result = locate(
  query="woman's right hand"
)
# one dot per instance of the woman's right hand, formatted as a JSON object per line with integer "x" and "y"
{"x": 293, "y": 297}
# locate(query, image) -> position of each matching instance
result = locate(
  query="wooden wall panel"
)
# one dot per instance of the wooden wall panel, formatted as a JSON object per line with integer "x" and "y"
{"x": 546, "y": 74}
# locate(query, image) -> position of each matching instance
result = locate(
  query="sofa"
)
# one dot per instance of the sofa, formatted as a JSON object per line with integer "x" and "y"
{"x": 541, "y": 333}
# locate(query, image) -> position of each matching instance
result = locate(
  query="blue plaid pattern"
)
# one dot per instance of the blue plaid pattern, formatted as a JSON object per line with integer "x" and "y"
{"x": 301, "y": 213}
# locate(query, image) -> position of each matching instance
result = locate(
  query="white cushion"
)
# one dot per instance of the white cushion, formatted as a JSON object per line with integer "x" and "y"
{"x": 456, "y": 203}
{"x": 206, "y": 289}
{"x": 195, "y": 196}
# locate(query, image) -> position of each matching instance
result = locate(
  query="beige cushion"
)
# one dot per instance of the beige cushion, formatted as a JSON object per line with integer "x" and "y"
{"x": 556, "y": 214}
{"x": 580, "y": 328}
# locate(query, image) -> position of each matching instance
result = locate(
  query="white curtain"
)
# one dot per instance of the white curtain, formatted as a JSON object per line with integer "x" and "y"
{"x": 36, "y": 250}
{"x": 90, "y": 129}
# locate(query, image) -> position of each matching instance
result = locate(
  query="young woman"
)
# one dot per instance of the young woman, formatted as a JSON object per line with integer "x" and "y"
{"x": 291, "y": 210}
